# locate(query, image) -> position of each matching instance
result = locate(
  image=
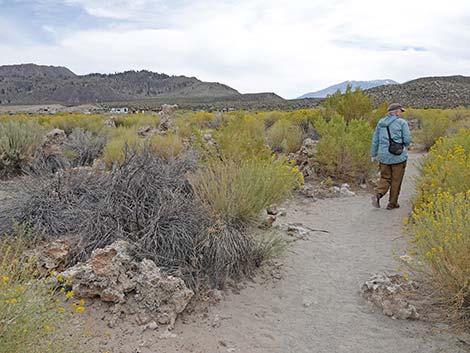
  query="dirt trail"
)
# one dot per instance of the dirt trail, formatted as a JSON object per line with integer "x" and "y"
{"x": 316, "y": 307}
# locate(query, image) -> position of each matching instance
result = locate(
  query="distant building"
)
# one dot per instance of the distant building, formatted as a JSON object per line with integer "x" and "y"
{"x": 123, "y": 110}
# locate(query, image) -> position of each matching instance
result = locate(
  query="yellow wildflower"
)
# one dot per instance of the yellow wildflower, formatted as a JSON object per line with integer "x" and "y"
{"x": 80, "y": 310}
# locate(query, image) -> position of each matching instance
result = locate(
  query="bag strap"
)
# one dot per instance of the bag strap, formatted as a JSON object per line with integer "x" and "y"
{"x": 390, "y": 135}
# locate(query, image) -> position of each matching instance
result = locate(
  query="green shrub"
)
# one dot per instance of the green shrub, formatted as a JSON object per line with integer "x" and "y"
{"x": 137, "y": 120}
{"x": 351, "y": 105}
{"x": 243, "y": 138}
{"x": 433, "y": 126}
{"x": 33, "y": 318}
{"x": 237, "y": 192}
{"x": 18, "y": 142}
{"x": 440, "y": 222}
{"x": 201, "y": 120}
{"x": 120, "y": 140}
{"x": 167, "y": 146}
{"x": 68, "y": 122}
{"x": 285, "y": 136}
{"x": 446, "y": 167}
{"x": 304, "y": 118}
{"x": 377, "y": 114}
{"x": 343, "y": 151}
{"x": 441, "y": 229}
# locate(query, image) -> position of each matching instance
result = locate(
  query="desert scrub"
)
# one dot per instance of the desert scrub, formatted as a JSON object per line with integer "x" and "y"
{"x": 18, "y": 142}
{"x": 67, "y": 122}
{"x": 351, "y": 105}
{"x": 166, "y": 146}
{"x": 304, "y": 118}
{"x": 441, "y": 230}
{"x": 285, "y": 136}
{"x": 237, "y": 191}
{"x": 440, "y": 222}
{"x": 343, "y": 150}
{"x": 82, "y": 147}
{"x": 33, "y": 316}
{"x": 202, "y": 120}
{"x": 433, "y": 126}
{"x": 137, "y": 120}
{"x": 119, "y": 141}
{"x": 446, "y": 167}
{"x": 242, "y": 138}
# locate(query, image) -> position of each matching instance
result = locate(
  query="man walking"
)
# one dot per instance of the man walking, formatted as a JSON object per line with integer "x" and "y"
{"x": 391, "y": 138}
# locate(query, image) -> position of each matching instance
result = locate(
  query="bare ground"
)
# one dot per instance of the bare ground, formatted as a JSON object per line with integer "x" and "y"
{"x": 315, "y": 306}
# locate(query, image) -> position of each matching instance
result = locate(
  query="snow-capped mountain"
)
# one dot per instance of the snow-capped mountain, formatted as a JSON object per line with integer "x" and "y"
{"x": 342, "y": 87}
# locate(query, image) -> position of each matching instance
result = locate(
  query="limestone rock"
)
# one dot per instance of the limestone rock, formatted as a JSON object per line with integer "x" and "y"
{"x": 111, "y": 122}
{"x": 268, "y": 222}
{"x": 386, "y": 291}
{"x": 296, "y": 230}
{"x": 309, "y": 147}
{"x": 114, "y": 275}
{"x": 165, "y": 296}
{"x": 166, "y": 121}
{"x": 272, "y": 210}
{"x": 53, "y": 255}
{"x": 106, "y": 275}
{"x": 147, "y": 131}
{"x": 343, "y": 191}
{"x": 53, "y": 141}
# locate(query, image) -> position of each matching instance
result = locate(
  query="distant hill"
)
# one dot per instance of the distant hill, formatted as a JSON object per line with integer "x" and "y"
{"x": 342, "y": 87}
{"x": 37, "y": 84}
{"x": 426, "y": 92}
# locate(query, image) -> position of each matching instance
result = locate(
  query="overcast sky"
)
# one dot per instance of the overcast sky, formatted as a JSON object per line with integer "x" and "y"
{"x": 289, "y": 47}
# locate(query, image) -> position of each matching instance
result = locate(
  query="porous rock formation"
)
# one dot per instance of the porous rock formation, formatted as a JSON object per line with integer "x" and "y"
{"x": 387, "y": 292}
{"x": 114, "y": 275}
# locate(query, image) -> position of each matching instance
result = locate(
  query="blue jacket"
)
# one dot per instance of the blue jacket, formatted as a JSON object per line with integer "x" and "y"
{"x": 400, "y": 133}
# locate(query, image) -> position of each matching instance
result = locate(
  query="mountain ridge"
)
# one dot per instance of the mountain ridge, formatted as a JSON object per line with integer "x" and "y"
{"x": 323, "y": 93}
{"x": 38, "y": 84}
{"x": 426, "y": 92}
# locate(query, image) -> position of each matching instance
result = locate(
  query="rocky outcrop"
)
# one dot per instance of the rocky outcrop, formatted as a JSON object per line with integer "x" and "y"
{"x": 427, "y": 92}
{"x": 53, "y": 141}
{"x": 114, "y": 275}
{"x": 388, "y": 293}
{"x": 166, "y": 117}
{"x": 304, "y": 157}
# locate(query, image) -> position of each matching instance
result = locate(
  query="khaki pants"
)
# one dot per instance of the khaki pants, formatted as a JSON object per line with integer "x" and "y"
{"x": 391, "y": 177}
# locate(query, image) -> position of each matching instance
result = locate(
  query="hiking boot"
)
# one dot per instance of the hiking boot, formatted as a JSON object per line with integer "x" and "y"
{"x": 392, "y": 206}
{"x": 376, "y": 200}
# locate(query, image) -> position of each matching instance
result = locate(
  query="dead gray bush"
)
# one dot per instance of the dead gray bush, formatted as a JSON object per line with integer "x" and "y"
{"x": 147, "y": 201}
{"x": 82, "y": 147}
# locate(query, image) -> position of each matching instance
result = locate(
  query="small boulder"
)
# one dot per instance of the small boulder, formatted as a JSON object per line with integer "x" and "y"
{"x": 387, "y": 292}
{"x": 147, "y": 131}
{"x": 51, "y": 256}
{"x": 52, "y": 142}
{"x": 114, "y": 275}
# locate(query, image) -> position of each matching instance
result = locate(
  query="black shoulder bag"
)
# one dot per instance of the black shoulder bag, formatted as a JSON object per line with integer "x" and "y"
{"x": 394, "y": 147}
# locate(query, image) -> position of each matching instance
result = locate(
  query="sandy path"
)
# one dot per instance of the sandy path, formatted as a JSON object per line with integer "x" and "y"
{"x": 316, "y": 307}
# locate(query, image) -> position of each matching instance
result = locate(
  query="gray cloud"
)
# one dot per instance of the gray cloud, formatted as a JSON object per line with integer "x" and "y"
{"x": 289, "y": 47}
